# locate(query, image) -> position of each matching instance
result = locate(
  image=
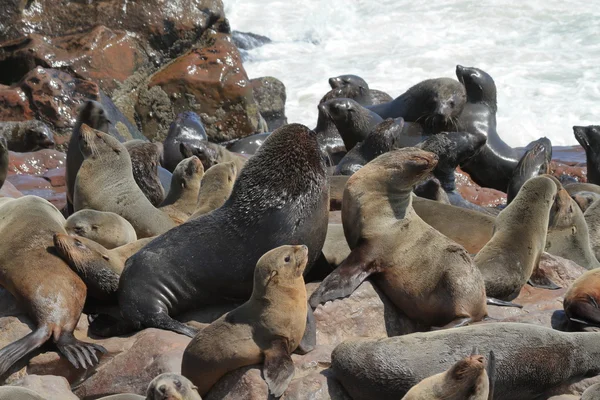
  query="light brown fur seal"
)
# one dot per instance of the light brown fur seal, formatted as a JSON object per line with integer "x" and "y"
{"x": 427, "y": 276}
{"x": 105, "y": 183}
{"x": 107, "y": 228}
{"x": 41, "y": 282}
{"x": 508, "y": 260}
{"x": 182, "y": 199}
{"x": 216, "y": 187}
{"x": 171, "y": 386}
{"x": 268, "y": 327}
{"x": 582, "y": 299}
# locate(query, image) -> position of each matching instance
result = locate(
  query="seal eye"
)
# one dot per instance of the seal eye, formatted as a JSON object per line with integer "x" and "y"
{"x": 287, "y": 259}
{"x": 177, "y": 384}
{"x": 94, "y": 227}
{"x": 79, "y": 244}
{"x": 452, "y": 104}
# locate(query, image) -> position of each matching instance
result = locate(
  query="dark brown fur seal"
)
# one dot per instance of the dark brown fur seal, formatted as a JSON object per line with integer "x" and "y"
{"x": 145, "y": 159}
{"x": 25, "y": 136}
{"x": 42, "y": 283}
{"x": 356, "y": 88}
{"x": 589, "y": 138}
{"x": 181, "y": 202}
{"x": 267, "y": 328}
{"x": 535, "y": 161}
{"x": 186, "y": 128}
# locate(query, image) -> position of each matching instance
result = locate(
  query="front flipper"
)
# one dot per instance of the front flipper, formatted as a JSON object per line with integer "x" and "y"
{"x": 309, "y": 339}
{"x": 278, "y": 368}
{"x": 501, "y": 303}
{"x": 539, "y": 280}
{"x": 344, "y": 280}
{"x": 491, "y": 372}
{"x": 457, "y": 323}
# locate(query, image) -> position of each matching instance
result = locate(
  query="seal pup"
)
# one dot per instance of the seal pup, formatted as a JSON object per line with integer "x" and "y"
{"x": 531, "y": 361}
{"x": 380, "y": 140}
{"x": 3, "y": 161}
{"x": 353, "y": 121}
{"x": 170, "y": 386}
{"x": 106, "y": 228}
{"x": 186, "y": 128}
{"x": 592, "y": 220}
{"x": 105, "y": 183}
{"x": 493, "y": 166}
{"x": 376, "y": 212}
{"x": 145, "y": 158}
{"x": 93, "y": 115}
{"x": 216, "y": 187}
{"x": 181, "y": 202}
{"x": 25, "y": 136}
{"x": 435, "y": 104}
{"x": 535, "y": 161}
{"x": 98, "y": 267}
{"x": 41, "y": 282}
{"x": 281, "y": 196}
{"x": 589, "y": 138}
{"x": 212, "y": 154}
{"x": 267, "y": 328}
{"x": 568, "y": 233}
{"x": 468, "y": 379}
{"x": 509, "y": 259}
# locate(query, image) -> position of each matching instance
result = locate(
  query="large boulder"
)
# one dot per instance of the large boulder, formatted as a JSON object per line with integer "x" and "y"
{"x": 270, "y": 95}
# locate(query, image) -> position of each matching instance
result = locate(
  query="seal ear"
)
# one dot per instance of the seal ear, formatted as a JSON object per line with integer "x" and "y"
{"x": 271, "y": 276}
{"x": 105, "y": 257}
{"x": 278, "y": 368}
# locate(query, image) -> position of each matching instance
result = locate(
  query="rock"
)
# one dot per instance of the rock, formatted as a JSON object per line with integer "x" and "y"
{"x": 49, "y": 387}
{"x": 29, "y": 135}
{"x": 35, "y": 163}
{"x": 270, "y": 95}
{"x": 28, "y": 184}
{"x": 248, "y": 40}
{"x": 14, "y": 104}
{"x": 575, "y": 171}
{"x": 484, "y": 197}
{"x": 9, "y": 190}
{"x": 210, "y": 80}
{"x": 243, "y": 383}
{"x": 316, "y": 386}
{"x": 56, "y": 177}
{"x": 167, "y": 25}
{"x": 560, "y": 270}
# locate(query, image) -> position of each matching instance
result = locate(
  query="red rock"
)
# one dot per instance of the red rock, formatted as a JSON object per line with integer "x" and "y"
{"x": 56, "y": 176}
{"x": 28, "y": 183}
{"x": 484, "y": 197}
{"x": 35, "y": 163}
{"x": 9, "y": 190}
{"x": 210, "y": 80}
{"x": 14, "y": 105}
{"x": 576, "y": 171}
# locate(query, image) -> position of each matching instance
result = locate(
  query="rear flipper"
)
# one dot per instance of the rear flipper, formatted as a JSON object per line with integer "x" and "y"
{"x": 278, "y": 368}
{"x": 495, "y": 302}
{"x": 80, "y": 354}
{"x": 19, "y": 349}
{"x": 162, "y": 320}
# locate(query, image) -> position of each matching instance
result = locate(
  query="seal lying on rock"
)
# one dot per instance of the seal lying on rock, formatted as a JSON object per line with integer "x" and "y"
{"x": 268, "y": 327}
{"x": 531, "y": 361}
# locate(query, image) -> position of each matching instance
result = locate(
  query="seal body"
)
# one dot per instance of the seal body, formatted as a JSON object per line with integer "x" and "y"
{"x": 267, "y": 327}
{"x": 25, "y": 136}
{"x": 493, "y": 166}
{"x": 535, "y": 161}
{"x": 216, "y": 187}
{"x": 510, "y": 257}
{"x": 41, "y": 282}
{"x": 353, "y": 121}
{"x": 105, "y": 183}
{"x": 249, "y": 145}
{"x": 186, "y": 128}
{"x": 390, "y": 242}
{"x": 145, "y": 158}
{"x": 581, "y": 300}
{"x": 182, "y": 199}
{"x": 531, "y": 360}
{"x": 281, "y": 197}
{"x": 589, "y": 138}
{"x": 106, "y": 228}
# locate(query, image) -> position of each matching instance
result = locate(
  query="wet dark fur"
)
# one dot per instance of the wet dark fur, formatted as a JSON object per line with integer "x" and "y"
{"x": 145, "y": 158}
{"x": 186, "y": 128}
{"x": 353, "y": 121}
{"x": 535, "y": 161}
{"x": 589, "y": 138}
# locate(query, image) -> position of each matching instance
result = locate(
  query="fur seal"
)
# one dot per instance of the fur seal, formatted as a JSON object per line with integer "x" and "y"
{"x": 508, "y": 260}
{"x": 336, "y": 248}
{"x": 435, "y": 104}
{"x": 248, "y": 145}
{"x": 186, "y": 128}
{"x": 328, "y": 136}
{"x": 493, "y": 166}
{"x": 468, "y": 379}
{"x": 531, "y": 361}
{"x": 380, "y": 140}
{"x": 574, "y": 188}
{"x": 353, "y": 121}
{"x": 3, "y": 161}
{"x": 585, "y": 199}
{"x": 181, "y": 202}
{"x": 376, "y": 211}
{"x": 353, "y": 84}
{"x": 267, "y": 328}
{"x": 98, "y": 267}
{"x": 591, "y": 393}
{"x": 105, "y": 183}
{"x": 18, "y": 393}
{"x": 212, "y": 154}
{"x": 93, "y": 115}
{"x": 589, "y": 138}
{"x": 581, "y": 300}
{"x": 106, "y": 228}
{"x": 216, "y": 187}
{"x": 568, "y": 233}
{"x": 592, "y": 220}
{"x": 25, "y": 136}
{"x": 535, "y": 161}
{"x": 49, "y": 291}
{"x": 145, "y": 158}
{"x": 280, "y": 197}
{"x": 171, "y": 386}
{"x": 432, "y": 189}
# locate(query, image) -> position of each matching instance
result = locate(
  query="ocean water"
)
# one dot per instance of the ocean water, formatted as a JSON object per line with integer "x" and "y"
{"x": 543, "y": 54}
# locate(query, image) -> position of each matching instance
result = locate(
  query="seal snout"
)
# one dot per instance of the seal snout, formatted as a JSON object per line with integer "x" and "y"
{"x": 581, "y": 135}
{"x": 335, "y": 82}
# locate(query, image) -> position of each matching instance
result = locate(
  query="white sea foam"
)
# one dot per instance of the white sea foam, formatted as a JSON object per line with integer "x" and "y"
{"x": 544, "y": 54}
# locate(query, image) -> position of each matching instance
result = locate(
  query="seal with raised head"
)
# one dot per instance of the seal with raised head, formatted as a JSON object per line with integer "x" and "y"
{"x": 509, "y": 259}
{"x": 170, "y": 386}
{"x": 93, "y": 115}
{"x": 212, "y": 154}
{"x": 376, "y": 212}
{"x": 267, "y": 328}
{"x": 468, "y": 379}
{"x": 493, "y": 166}
{"x": 280, "y": 197}
{"x": 589, "y": 138}
{"x": 216, "y": 187}
{"x": 145, "y": 159}
{"x": 356, "y": 88}
{"x": 186, "y": 128}
{"x": 435, "y": 104}
{"x": 105, "y": 182}
{"x": 531, "y": 361}
{"x": 329, "y": 138}
{"x": 106, "y": 228}
{"x": 25, "y": 136}
{"x": 181, "y": 202}
{"x": 41, "y": 282}
{"x": 535, "y": 161}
